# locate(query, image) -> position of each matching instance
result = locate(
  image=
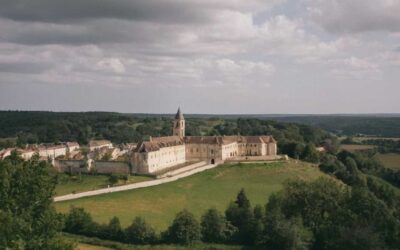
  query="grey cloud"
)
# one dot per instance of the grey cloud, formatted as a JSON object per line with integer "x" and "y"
{"x": 355, "y": 16}
{"x": 92, "y": 32}
{"x": 23, "y": 68}
{"x": 171, "y": 11}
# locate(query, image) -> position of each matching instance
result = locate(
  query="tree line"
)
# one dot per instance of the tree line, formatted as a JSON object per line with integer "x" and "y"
{"x": 351, "y": 167}
{"x": 19, "y": 128}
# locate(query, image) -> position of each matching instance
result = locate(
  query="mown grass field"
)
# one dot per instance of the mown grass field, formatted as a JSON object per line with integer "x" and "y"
{"x": 69, "y": 184}
{"x": 355, "y": 147}
{"x": 212, "y": 188}
{"x": 88, "y": 243}
{"x": 390, "y": 160}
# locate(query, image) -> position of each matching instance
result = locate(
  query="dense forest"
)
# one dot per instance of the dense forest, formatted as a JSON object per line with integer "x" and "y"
{"x": 385, "y": 126}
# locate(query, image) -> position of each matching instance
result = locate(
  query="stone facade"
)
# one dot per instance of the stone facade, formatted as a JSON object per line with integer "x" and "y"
{"x": 165, "y": 152}
{"x": 98, "y": 144}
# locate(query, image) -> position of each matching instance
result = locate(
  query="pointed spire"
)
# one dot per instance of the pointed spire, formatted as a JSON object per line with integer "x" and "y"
{"x": 179, "y": 114}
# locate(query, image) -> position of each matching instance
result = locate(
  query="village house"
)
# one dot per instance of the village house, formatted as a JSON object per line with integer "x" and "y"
{"x": 5, "y": 152}
{"x": 98, "y": 144}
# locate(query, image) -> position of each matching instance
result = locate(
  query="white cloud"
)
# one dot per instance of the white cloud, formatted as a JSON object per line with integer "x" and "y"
{"x": 111, "y": 64}
{"x": 354, "y": 67}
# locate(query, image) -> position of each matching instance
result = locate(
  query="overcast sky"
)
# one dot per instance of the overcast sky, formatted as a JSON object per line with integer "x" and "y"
{"x": 208, "y": 56}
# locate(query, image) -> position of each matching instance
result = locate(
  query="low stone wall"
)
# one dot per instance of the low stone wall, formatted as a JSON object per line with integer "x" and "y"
{"x": 111, "y": 167}
{"x": 182, "y": 169}
{"x": 257, "y": 158}
{"x": 71, "y": 166}
{"x": 100, "y": 167}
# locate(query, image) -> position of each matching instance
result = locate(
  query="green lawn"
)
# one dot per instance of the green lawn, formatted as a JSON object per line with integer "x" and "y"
{"x": 390, "y": 160}
{"x": 212, "y": 188}
{"x": 69, "y": 184}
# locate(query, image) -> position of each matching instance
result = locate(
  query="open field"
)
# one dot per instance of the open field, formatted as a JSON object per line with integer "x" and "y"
{"x": 361, "y": 139}
{"x": 88, "y": 243}
{"x": 212, "y": 188}
{"x": 390, "y": 160}
{"x": 82, "y": 246}
{"x": 69, "y": 184}
{"x": 355, "y": 147}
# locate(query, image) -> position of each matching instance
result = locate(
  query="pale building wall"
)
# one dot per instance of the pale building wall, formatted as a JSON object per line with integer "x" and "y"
{"x": 4, "y": 153}
{"x": 27, "y": 155}
{"x": 73, "y": 148}
{"x": 154, "y": 161}
{"x": 52, "y": 151}
{"x": 272, "y": 149}
{"x": 107, "y": 145}
{"x": 229, "y": 150}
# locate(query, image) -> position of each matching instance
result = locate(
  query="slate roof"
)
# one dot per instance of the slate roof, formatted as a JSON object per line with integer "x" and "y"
{"x": 156, "y": 143}
{"x": 179, "y": 114}
{"x": 96, "y": 143}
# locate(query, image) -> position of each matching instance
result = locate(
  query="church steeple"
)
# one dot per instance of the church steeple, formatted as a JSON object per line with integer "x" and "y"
{"x": 179, "y": 124}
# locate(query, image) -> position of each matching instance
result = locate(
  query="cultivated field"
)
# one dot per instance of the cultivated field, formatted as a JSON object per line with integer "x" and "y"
{"x": 70, "y": 184}
{"x": 355, "y": 147}
{"x": 212, "y": 188}
{"x": 390, "y": 160}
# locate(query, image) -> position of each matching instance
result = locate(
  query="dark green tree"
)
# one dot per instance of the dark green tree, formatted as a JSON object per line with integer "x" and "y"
{"x": 184, "y": 229}
{"x": 78, "y": 221}
{"x": 27, "y": 217}
{"x": 114, "y": 230}
{"x": 215, "y": 228}
{"x": 139, "y": 232}
{"x": 240, "y": 215}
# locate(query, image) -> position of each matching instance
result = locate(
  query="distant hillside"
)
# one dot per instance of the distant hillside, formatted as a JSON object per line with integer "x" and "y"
{"x": 379, "y": 125}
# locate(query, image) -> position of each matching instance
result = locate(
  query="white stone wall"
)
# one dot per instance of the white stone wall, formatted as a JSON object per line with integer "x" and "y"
{"x": 149, "y": 162}
{"x": 52, "y": 152}
{"x": 230, "y": 150}
{"x": 108, "y": 145}
{"x": 27, "y": 155}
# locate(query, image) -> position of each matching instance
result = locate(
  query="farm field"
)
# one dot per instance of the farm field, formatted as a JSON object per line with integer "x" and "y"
{"x": 390, "y": 160}
{"x": 212, "y": 188}
{"x": 69, "y": 184}
{"x": 361, "y": 139}
{"x": 355, "y": 147}
{"x": 89, "y": 243}
{"x": 82, "y": 246}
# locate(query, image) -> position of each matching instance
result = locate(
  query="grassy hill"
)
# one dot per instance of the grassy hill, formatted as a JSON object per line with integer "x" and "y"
{"x": 212, "y": 188}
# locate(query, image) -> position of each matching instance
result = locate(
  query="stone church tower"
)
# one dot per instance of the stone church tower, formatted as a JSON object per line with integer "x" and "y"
{"x": 179, "y": 125}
